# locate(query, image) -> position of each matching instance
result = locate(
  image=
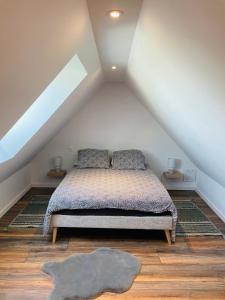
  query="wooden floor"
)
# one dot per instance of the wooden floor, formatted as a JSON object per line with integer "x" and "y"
{"x": 192, "y": 268}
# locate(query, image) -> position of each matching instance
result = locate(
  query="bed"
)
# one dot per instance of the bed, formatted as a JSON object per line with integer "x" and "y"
{"x": 111, "y": 198}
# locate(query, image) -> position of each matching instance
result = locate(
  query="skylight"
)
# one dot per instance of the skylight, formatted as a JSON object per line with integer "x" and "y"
{"x": 42, "y": 109}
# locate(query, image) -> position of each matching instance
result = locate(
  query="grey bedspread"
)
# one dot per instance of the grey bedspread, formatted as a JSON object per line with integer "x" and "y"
{"x": 107, "y": 188}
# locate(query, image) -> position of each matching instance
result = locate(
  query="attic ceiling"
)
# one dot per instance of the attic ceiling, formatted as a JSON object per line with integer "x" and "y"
{"x": 171, "y": 53}
{"x": 114, "y": 36}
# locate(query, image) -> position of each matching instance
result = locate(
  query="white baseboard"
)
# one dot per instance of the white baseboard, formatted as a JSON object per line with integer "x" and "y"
{"x": 211, "y": 205}
{"x": 14, "y": 200}
{"x": 180, "y": 188}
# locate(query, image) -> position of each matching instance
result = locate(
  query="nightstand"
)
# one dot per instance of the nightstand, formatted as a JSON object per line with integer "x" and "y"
{"x": 56, "y": 174}
{"x": 173, "y": 176}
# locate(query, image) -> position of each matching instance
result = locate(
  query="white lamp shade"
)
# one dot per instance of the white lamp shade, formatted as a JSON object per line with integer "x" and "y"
{"x": 172, "y": 162}
{"x": 58, "y": 162}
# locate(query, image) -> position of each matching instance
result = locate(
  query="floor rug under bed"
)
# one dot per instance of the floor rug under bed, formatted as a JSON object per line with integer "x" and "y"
{"x": 191, "y": 220}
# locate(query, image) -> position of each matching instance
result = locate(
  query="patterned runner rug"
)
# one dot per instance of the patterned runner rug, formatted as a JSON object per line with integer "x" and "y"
{"x": 191, "y": 220}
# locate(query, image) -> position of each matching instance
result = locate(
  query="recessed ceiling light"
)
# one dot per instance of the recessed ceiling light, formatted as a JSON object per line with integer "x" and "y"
{"x": 115, "y": 14}
{"x": 114, "y": 67}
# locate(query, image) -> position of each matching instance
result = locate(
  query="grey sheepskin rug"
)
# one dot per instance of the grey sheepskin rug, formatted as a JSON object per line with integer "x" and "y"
{"x": 86, "y": 276}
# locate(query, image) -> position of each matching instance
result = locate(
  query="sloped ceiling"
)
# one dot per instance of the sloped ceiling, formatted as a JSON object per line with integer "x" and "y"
{"x": 177, "y": 67}
{"x": 37, "y": 39}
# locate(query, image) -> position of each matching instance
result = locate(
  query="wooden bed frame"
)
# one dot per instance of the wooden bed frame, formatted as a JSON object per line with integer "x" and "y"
{"x": 155, "y": 222}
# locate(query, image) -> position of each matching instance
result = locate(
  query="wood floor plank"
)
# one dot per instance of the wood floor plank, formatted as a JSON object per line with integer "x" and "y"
{"x": 191, "y": 259}
{"x": 185, "y": 270}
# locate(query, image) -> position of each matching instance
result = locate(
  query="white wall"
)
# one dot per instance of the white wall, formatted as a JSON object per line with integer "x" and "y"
{"x": 113, "y": 119}
{"x": 177, "y": 67}
{"x": 212, "y": 193}
{"x": 13, "y": 188}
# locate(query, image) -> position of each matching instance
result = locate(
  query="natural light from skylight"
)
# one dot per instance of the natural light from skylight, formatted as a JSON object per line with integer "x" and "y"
{"x": 67, "y": 80}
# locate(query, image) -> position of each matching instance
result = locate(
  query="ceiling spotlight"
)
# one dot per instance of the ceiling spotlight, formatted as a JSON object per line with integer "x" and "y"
{"x": 114, "y": 67}
{"x": 115, "y": 14}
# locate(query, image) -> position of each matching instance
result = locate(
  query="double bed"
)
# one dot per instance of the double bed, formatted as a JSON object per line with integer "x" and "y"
{"x": 111, "y": 198}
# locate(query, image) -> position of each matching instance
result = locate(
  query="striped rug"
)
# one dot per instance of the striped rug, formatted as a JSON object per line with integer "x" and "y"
{"x": 33, "y": 214}
{"x": 191, "y": 220}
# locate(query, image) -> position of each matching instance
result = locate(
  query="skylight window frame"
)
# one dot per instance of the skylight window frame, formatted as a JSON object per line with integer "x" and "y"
{"x": 41, "y": 110}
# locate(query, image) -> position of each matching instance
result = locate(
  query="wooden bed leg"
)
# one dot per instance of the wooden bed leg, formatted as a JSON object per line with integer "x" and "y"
{"x": 168, "y": 236}
{"x": 54, "y": 234}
